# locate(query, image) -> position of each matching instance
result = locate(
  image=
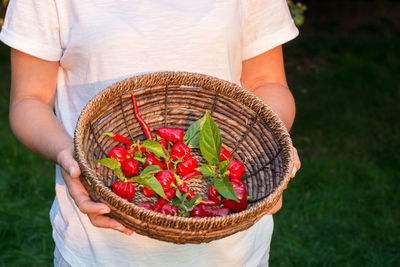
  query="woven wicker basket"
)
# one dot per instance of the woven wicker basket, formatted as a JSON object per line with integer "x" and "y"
{"x": 177, "y": 99}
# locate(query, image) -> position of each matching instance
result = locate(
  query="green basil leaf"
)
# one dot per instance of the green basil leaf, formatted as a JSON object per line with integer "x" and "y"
{"x": 109, "y": 163}
{"x": 155, "y": 147}
{"x": 225, "y": 188}
{"x": 210, "y": 140}
{"x": 151, "y": 182}
{"x": 223, "y": 165}
{"x": 193, "y": 202}
{"x": 151, "y": 169}
{"x": 192, "y": 134}
{"x": 207, "y": 170}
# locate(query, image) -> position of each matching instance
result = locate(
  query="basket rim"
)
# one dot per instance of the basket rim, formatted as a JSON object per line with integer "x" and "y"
{"x": 200, "y": 80}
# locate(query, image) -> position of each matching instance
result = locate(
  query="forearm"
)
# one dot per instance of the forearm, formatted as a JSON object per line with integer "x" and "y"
{"x": 280, "y": 99}
{"x": 35, "y": 125}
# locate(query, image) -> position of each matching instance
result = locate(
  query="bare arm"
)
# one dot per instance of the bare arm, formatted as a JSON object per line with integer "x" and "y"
{"x": 32, "y": 120}
{"x": 264, "y": 75}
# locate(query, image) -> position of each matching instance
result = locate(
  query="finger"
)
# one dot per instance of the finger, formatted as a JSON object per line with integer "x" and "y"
{"x": 296, "y": 163}
{"x": 107, "y": 222}
{"x": 277, "y": 207}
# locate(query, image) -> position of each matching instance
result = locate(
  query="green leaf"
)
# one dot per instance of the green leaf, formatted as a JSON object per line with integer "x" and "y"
{"x": 155, "y": 147}
{"x": 193, "y": 202}
{"x": 151, "y": 182}
{"x": 151, "y": 169}
{"x": 109, "y": 163}
{"x": 192, "y": 134}
{"x": 210, "y": 140}
{"x": 225, "y": 188}
{"x": 207, "y": 170}
{"x": 223, "y": 166}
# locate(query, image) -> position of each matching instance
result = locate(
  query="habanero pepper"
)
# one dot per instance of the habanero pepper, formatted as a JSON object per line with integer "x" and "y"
{"x": 236, "y": 170}
{"x": 146, "y": 205}
{"x": 151, "y": 160}
{"x": 145, "y": 126}
{"x": 169, "y": 210}
{"x": 180, "y": 150}
{"x": 119, "y": 153}
{"x": 166, "y": 179}
{"x": 187, "y": 166}
{"x": 241, "y": 193}
{"x": 190, "y": 175}
{"x": 147, "y": 192}
{"x": 171, "y": 134}
{"x": 130, "y": 167}
{"x": 225, "y": 155}
{"x": 124, "y": 190}
{"x": 170, "y": 194}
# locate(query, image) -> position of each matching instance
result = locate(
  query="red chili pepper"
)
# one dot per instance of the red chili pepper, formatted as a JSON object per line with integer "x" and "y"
{"x": 236, "y": 170}
{"x": 169, "y": 210}
{"x": 180, "y": 150}
{"x": 240, "y": 190}
{"x": 190, "y": 175}
{"x": 130, "y": 167}
{"x": 163, "y": 143}
{"x": 142, "y": 122}
{"x": 200, "y": 211}
{"x": 213, "y": 193}
{"x": 124, "y": 190}
{"x": 146, "y": 205}
{"x": 166, "y": 179}
{"x": 118, "y": 138}
{"x": 187, "y": 166}
{"x": 151, "y": 160}
{"x": 184, "y": 188}
{"x": 147, "y": 192}
{"x": 119, "y": 153}
{"x": 225, "y": 155}
{"x": 171, "y": 134}
{"x": 170, "y": 194}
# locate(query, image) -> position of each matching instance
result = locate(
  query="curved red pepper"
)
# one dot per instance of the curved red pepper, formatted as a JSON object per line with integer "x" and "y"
{"x": 200, "y": 211}
{"x": 190, "y": 175}
{"x": 142, "y": 122}
{"x": 213, "y": 194}
{"x": 241, "y": 193}
{"x": 171, "y": 134}
{"x": 170, "y": 194}
{"x": 118, "y": 138}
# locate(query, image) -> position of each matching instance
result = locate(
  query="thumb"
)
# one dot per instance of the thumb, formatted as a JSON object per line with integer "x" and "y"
{"x": 67, "y": 162}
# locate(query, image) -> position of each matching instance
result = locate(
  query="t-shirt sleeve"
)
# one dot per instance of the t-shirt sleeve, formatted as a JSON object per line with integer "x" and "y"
{"x": 266, "y": 24}
{"x": 32, "y": 27}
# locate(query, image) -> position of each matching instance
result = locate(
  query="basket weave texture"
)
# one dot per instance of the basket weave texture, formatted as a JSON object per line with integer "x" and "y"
{"x": 177, "y": 99}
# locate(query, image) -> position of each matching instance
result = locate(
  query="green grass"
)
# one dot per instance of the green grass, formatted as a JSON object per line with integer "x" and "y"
{"x": 26, "y": 192}
{"x": 340, "y": 210}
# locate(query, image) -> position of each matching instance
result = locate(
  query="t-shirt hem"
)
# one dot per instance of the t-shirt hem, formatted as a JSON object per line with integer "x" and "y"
{"x": 268, "y": 42}
{"x": 27, "y": 46}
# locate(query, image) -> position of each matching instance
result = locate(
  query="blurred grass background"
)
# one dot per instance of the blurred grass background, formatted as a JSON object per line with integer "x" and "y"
{"x": 342, "y": 209}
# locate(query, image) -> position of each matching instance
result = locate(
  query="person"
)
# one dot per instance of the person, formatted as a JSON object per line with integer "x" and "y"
{"x": 65, "y": 52}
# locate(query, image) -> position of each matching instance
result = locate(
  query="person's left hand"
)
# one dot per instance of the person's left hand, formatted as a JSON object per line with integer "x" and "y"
{"x": 296, "y": 166}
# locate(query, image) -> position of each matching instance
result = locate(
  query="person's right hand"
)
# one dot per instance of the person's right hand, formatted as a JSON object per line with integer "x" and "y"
{"x": 94, "y": 210}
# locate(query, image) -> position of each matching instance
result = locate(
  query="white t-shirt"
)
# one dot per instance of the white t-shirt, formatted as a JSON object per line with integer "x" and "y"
{"x": 101, "y": 42}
